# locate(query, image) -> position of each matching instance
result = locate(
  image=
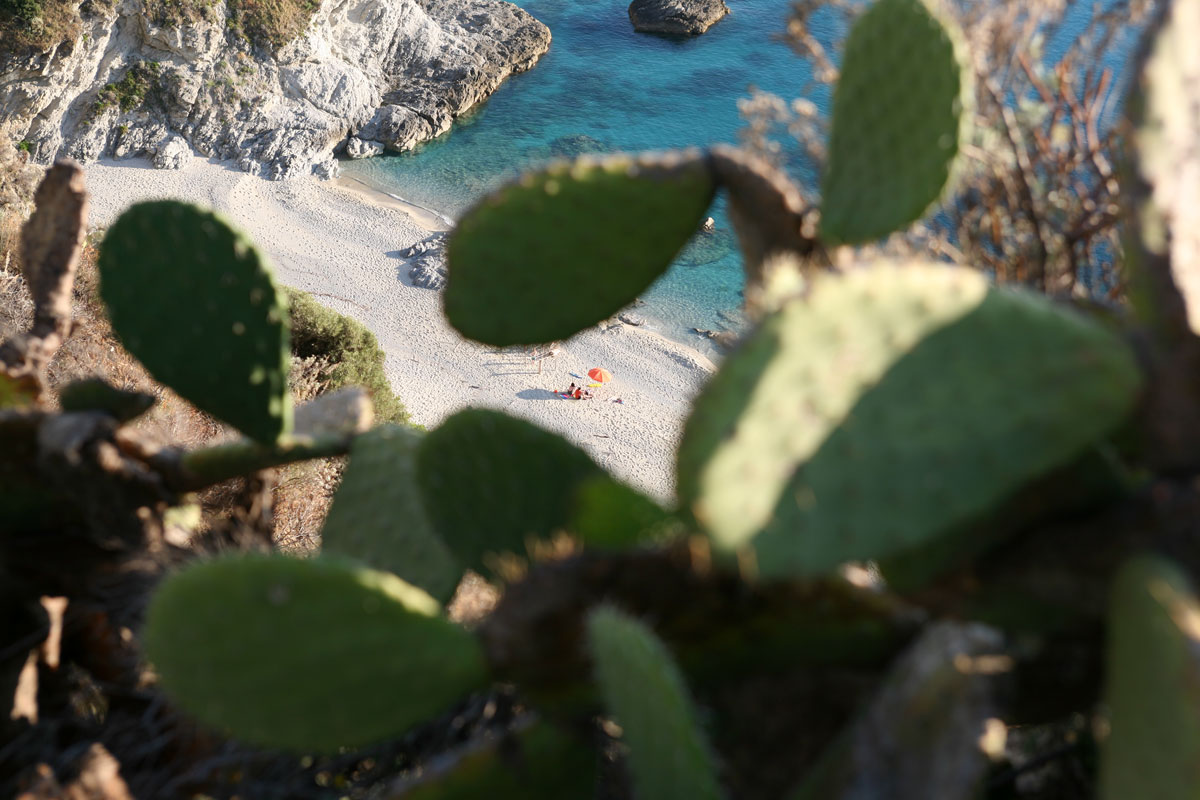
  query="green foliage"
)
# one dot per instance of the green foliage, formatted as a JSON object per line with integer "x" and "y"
{"x": 129, "y": 93}
{"x": 892, "y": 406}
{"x": 548, "y": 764}
{"x": 519, "y": 479}
{"x": 646, "y": 695}
{"x": 899, "y": 113}
{"x": 571, "y": 245}
{"x": 610, "y": 515}
{"x": 378, "y": 516}
{"x": 897, "y": 413}
{"x": 15, "y": 393}
{"x": 306, "y": 654}
{"x": 1153, "y": 685}
{"x": 350, "y": 346}
{"x": 93, "y": 394}
{"x": 216, "y": 331}
{"x": 24, "y": 10}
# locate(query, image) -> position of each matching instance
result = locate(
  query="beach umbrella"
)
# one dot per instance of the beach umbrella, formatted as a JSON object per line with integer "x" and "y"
{"x": 600, "y": 374}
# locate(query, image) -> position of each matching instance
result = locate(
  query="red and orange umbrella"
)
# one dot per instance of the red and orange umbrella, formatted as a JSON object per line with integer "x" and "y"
{"x": 599, "y": 374}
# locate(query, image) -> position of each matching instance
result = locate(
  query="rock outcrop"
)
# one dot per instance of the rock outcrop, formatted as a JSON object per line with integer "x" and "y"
{"x": 367, "y": 75}
{"x": 427, "y": 262}
{"x": 676, "y": 17}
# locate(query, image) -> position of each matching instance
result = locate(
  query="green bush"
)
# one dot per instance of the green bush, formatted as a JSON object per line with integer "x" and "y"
{"x": 321, "y": 331}
{"x": 24, "y": 10}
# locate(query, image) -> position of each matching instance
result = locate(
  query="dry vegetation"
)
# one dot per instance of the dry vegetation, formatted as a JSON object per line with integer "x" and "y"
{"x": 1037, "y": 198}
{"x": 331, "y": 350}
{"x": 37, "y": 25}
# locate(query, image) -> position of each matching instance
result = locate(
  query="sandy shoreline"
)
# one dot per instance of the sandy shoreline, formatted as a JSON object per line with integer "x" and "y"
{"x": 342, "y": 242}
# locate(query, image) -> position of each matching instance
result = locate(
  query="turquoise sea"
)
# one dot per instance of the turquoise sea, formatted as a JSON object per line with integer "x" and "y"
{"x": 603, "y": 87}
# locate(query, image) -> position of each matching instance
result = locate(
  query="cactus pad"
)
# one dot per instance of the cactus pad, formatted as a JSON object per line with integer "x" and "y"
{"x": 308, "y": 654}
{"x": 95, "y": 394}
{"x": 491, "y": 483}
{"x": 537, "y": 762}
{"x": 1153, "y": 685}
{"x": 17, "y": 392}
{"x": 900, "y": 110}
{"x": 378, "y": 518}
{"x": 893, "y": 406}
{"x": 560, "y": 249}
{"x": 1166, "y": 108}
{"x": 610, "y": 515}
{"x": 646, "y": 696}
{"x": 194, "y": 301}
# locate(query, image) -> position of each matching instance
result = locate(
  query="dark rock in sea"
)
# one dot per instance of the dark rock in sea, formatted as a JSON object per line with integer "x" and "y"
{"x": 631, "y": 319}
{"x": 706, "y": 248}
{"x": 427, "y": 260}
{"x": 677, "y": 17}
{"x": 577, "y": 145}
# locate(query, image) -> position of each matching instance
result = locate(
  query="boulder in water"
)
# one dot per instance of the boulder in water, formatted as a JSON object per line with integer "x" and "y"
{"x": 677, "y": 17}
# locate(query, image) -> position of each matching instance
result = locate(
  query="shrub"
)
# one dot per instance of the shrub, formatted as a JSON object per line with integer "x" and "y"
{"x": 318, "y": 331}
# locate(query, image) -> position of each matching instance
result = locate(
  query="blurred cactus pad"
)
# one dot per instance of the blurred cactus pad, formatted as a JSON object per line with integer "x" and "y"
{"x": 216, "y": 330}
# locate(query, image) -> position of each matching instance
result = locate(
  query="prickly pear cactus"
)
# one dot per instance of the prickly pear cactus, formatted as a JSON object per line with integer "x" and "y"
{"x": 890, "y": 407}
{"x": 571, "y": 245}
{"x": 17, "y": 392}
{"x": 608, "y": 514}
{"x": 1166, "y": 111}
{"x": 1153, "y": 685}
{"x": 94, "y": 394}
{"x": 194, "y": 300}
{"x": 309, "y": 654}
{"x": 646, "y": 696}
{"x": 378, "y": 517}
{"x": 539, "y": 761}
{"x": 519, "y": 480}
{"x": 900, "y": 110}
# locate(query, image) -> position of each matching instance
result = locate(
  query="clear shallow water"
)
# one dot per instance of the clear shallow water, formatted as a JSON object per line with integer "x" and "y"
{"x": 603, "y": 87}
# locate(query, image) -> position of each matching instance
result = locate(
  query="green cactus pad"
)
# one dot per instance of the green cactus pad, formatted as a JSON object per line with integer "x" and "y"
{"x": 491, "y": 483}
{"x": 1153, "y": 685}
{"x": 95, "y": 394}
{"x": 17, "y": 392}
{"x": 310, "y": 654}
{"x": 900, "y": 110}
{"x": 647, "y": 697}
{"x": 538, "y": 763}
{"x": 564, "y": 248}
{"x": 610, "y": 515}
{"x": 893, "y": 406}
{"x": 378, "y": 518}
{"x": 194, "y": 301}
{"x": 1165, "y": 106}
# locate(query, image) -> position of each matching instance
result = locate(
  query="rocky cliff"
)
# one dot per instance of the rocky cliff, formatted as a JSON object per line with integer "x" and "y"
{"x": 364, "y": 76}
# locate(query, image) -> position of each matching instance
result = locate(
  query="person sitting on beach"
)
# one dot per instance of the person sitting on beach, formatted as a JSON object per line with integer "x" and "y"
{"x": 578, "y": 393}
{"x": 570, "y": 389}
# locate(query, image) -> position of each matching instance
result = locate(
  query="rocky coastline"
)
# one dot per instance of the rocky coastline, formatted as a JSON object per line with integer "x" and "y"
{"x": 365, "y": 76}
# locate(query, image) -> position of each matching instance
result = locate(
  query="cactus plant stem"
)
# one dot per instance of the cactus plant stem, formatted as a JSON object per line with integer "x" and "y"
{"x": 197, "y": 469}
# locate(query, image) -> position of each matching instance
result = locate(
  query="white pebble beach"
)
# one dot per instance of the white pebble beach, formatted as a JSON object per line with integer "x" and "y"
{"x": 342, "y": 242}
